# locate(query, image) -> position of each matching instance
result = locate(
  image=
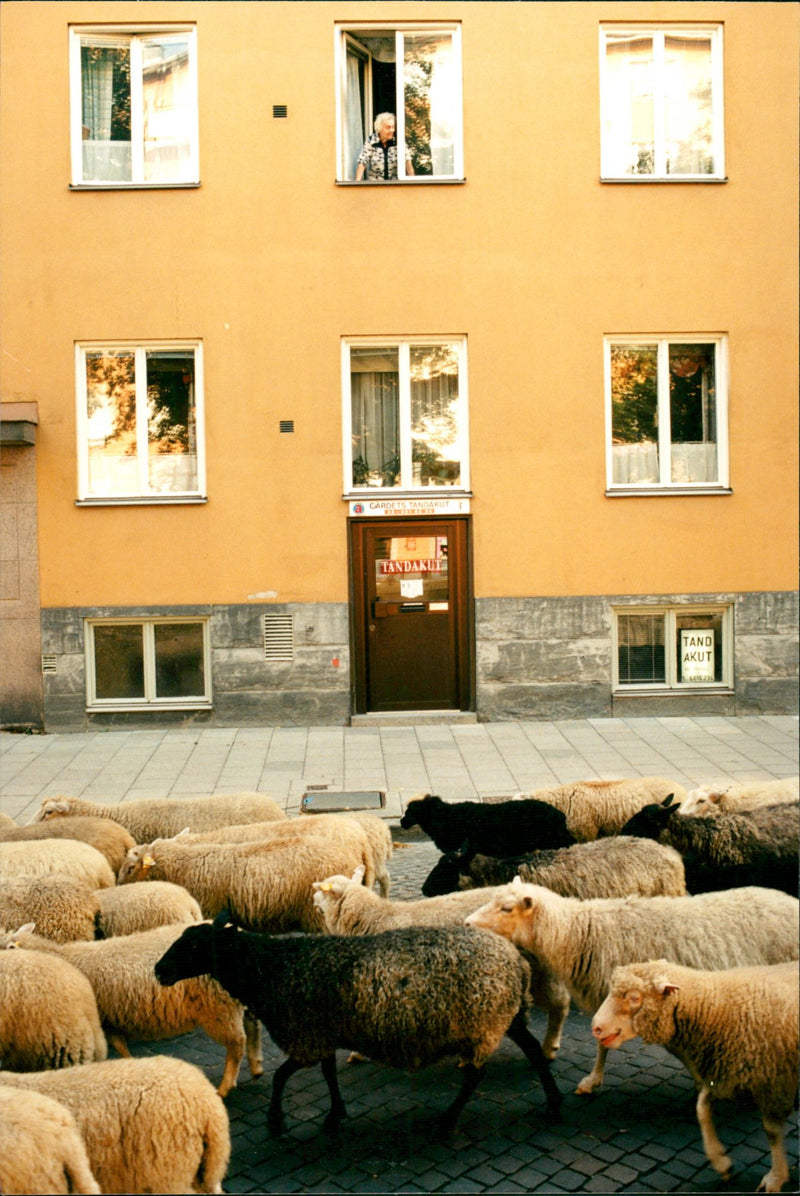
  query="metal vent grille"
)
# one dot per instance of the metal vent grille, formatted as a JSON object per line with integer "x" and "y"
{"x": 279, "y": 110}
{"x": 278, "y": 636}
{"x": 286, "y": 425}
{"x": 50, "y": 663}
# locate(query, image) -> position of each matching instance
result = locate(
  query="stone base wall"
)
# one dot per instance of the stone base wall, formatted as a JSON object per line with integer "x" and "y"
{"x": 536, "y": 658}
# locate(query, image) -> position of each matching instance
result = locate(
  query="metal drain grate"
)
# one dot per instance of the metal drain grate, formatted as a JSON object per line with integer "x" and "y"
{"x": 278, "y": 636}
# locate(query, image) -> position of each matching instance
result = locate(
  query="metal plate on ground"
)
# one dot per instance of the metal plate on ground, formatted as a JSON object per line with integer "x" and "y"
{"x": 332, "y": 801}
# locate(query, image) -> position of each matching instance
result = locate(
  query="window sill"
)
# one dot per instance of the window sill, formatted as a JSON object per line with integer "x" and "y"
{"x": 117, "y": 186}
{"x": 667, "y": 491}
{"x": 144, "y": 501}
{"x": 137, "y": 707}
{"x": 666, "y": 691}
{"x": 418, "y": 181}
{"x": 669, "y": 178}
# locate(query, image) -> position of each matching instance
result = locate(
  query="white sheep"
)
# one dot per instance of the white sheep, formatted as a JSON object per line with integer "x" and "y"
{"x": 349, "y": 908}
{"x": 110, "y": 839}
{"x": 48, "y": 1013}
{"x": 132, "y": 1004}
{"x": 127, "y": 909}
{"x": 149, "y": 1125}
{"x": 41, "y": 1149}
{"x": 7, "y": 823}
{"x": 265, "y": 885}
{"x": 67, "y": 857}
{"x": 595, "y": 808}
{"x": 732, "y": 797}
{"x": 736, "y": 1030}
{"x": 581, "y": 942}
{"x": 150, "y": 817}
{"x": 62, "y": 907}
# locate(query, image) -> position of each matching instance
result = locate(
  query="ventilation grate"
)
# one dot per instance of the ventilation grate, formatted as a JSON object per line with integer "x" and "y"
{"x": 279, "y": 110}
{"x": 286, "y": 425}
{"x": 278, "y": 636}
{"x": 50, "y": 663}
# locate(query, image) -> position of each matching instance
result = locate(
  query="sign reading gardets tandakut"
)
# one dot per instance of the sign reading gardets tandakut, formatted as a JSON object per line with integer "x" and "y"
{"x": 425, "y": 565}
{"x": 697, "y": 655}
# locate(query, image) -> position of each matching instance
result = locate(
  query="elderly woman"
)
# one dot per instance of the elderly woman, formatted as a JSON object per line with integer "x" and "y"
{"x": 378, "y": 157}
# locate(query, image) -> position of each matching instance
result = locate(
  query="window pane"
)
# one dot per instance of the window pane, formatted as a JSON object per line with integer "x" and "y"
{"x": 106, "y": 111}
{"x": 641, "y": 649}
{"x": 374, "y": 375}
{"x": 634, "y": 413}
{"x": 629, "y": 137}
{"x": 171, "y": 421}
{"x": 111, "y": 423}
{"x": 168, "y": 104}
{"x": 688, "y": 104}
{"x": 119, "y": 661}
{"x": 179, "y": 660}
{"x": 693, "y": 413}
{"x": 435, "y": 442}
{"x": 699, "y": 648}
{"x": 411, "y": 567}
{"x": 430, "y": 98}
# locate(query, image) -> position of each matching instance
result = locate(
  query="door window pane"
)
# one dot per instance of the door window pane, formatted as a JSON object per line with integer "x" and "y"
{"x": 641, "y": 649}
{"x": 411, "y": 567}
{"x": 374, "y": 377}
{"x": 119, "y": 661}
{"x": 179, "y": 660}
{"x": 634, "y": 413}
{"x": 435, "y": 448}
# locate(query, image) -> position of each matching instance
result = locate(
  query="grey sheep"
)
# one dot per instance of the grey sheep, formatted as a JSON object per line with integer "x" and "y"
{"x": 581, "y": 942}
{"x": 66, "y": 857}
{"x": 48, "y": 1013}
{"x": 595, "y": 808}
{"x": 614, "y": 867}
{"x": 41, "y": 1149}
{"x": 151, "y": 817}
{"x": 109, "y": 838}
{"x": 127, "y": 909}
{"x": 730, "y": 797}
{"x": 131, "y": 1004}
{"x": 62, "y": 907}
{"x": 265, "y": 885}
{"x": 350, "y": 908}
{"x": 149, "y": 1125}
{"x": 736, "y": 1030}
{"x": 316, "y": 993}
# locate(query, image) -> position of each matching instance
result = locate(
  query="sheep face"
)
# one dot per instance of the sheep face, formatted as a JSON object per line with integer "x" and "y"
{"x": 509, "y": 913}
{"x": 53, "y": 808}
{"x": 445, "y": 876}
{"x": 417, "y": 811}
{"x": 328, "y": 893}
{"x": 635, "y": 992}
{"x": 190, "y": 955}
{"x": 650, "y": 821}
{"x": 136, "y": 865}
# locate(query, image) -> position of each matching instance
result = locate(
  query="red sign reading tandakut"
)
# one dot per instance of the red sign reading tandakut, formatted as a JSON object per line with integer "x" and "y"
{"x": 423, "y": 566}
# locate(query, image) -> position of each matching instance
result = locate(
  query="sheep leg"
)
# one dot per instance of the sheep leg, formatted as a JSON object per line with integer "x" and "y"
{"x": 715, "y": 1151}
{"x": 519, "y": 1033}
{"x": 778, "y": 1174}
{"x": 255, "y": 1058}
{"x": 233, "y": 1061}
{"x": 595, "y": 1076}
{"x": 337, "y": 1110}
{"x": 275, "y": 1111}
{"x": 119, "y": 1044}
{"x": 472, "y": 1076}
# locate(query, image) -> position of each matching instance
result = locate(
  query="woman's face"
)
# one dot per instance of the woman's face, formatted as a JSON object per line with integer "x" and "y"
{"x": 386, "y": 131}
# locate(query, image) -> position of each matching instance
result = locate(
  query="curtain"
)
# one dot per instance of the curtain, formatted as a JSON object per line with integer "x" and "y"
{"x": 354, "y": 133}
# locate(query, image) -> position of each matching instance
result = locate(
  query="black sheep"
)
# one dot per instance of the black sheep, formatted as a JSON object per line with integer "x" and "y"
{"x": 406, "y": 998}
{"x": 726, "y": 851}
{"x": 500, "y": 829}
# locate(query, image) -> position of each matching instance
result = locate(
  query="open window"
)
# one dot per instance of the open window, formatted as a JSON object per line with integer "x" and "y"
{"x": 413, "y": 73}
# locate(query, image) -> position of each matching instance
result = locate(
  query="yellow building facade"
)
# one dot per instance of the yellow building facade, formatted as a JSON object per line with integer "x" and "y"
{"x": 512, "y": 433}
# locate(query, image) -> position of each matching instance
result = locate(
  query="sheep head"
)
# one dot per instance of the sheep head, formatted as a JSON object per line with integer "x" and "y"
{"x": 638, "y": 1002}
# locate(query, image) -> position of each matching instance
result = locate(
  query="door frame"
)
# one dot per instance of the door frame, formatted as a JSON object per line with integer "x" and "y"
{"x": 461, "y": 595}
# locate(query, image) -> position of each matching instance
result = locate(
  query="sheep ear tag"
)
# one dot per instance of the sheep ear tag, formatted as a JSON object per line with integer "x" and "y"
{"x": 148, "y": 862}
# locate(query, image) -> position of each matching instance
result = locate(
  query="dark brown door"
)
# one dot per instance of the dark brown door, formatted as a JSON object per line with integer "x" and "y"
{"x": 410, "y": 604}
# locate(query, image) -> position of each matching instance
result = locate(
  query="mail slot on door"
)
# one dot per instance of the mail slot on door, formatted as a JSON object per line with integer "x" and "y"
{"x": 380, "y": 610}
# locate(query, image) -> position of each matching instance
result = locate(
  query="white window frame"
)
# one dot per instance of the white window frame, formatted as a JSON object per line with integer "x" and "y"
{"x": 143, "y": 494}
{"x": 658, "y": 32}
{"x": 112, "y": 34}
{"x": 670, "y": 613}
{"x": 665, "y": 485}
{"x": 346, "y": 33}
{"x": 150, "y": 700}
{"x": 403, "y": 345}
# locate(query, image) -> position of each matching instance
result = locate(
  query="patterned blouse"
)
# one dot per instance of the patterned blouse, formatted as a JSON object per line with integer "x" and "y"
{"x": 379, "y": 159}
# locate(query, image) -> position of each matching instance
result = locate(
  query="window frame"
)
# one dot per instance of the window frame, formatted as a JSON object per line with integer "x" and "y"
{"x": 670, "y": 612}
{"x": 404, "y": 344}
{"x": 150, "y": 701}
{"x": 136, "y": 34}
{"x": 658, "y": 30}
{"x": 665, "y": 485}
{"x": 346, "y": 32}
{"x": 142, "y": 496}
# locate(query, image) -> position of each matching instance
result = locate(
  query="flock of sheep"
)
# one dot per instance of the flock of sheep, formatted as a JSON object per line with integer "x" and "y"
{"x": 668, "y": 916}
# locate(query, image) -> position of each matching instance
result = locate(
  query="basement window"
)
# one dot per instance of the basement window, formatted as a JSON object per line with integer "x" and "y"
{"x": 673, "y": 648}
{"x": 134, "y": 664}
